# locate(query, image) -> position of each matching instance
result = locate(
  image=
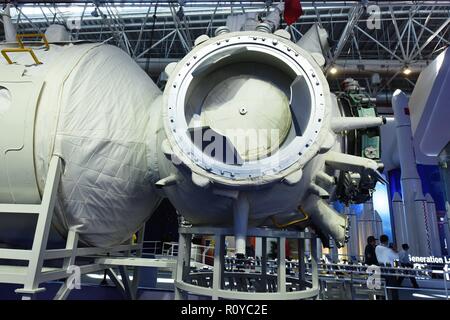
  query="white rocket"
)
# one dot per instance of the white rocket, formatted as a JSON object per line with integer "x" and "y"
{"x": 399, "y": 219}
{"x": 369, "y": 224}
{"x": 446, "y": 226}
{"x": 353, "y": 244}
{"x": 423, "y": 225}
{"x": 433, "y": 226}
{"x": 418, "y": 224}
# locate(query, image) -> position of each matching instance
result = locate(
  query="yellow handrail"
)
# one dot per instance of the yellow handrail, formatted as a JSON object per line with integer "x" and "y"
{"x": 22, "y": 48}
{"x": 22, "y": 36}
{"x": 305, "y": 218}
{"x": 29, "y": 50}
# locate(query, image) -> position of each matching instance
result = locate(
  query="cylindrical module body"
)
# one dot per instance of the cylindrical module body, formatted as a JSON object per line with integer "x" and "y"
{"x": 89, "y": 105}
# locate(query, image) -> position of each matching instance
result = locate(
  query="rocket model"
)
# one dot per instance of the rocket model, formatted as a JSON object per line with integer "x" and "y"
{"x": 369, "y": 224}
{"x": 353, "y": 244}
{"x": 433, "y": 226}
{"x": 399, "y": 219}
{"x": 446, "y": 225}
{"x": 419, "y": 230}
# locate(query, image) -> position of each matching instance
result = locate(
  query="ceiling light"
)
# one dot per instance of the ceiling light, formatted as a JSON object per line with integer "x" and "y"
{"x": 333, "y": 70}
{"x": 407, "y": 71}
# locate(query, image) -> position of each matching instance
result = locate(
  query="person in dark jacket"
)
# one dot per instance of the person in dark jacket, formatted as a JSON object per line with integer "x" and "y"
{"x": 370, "y": 257}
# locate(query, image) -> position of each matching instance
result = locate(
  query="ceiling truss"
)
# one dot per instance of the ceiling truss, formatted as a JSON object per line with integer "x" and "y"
{"x": 410, "y": 33}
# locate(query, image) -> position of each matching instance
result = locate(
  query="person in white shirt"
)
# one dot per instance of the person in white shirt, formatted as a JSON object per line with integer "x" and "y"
{"x": 385, "y": 255}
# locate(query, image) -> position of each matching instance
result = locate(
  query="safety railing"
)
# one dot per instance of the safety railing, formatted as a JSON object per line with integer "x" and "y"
{"x": 341, "y": 276}
{"x": 205, "y": 254}
{"x": 349, "y": 280}
{"x": 160, "y": 248}
{"x": 429, "y": 293}
{"x": 358, "y": 274}
{"x": 22, "y": 49}
{"x": 152, "y": 247}
{"x": 20, "y": 39}
{"x": 170, "y": 249}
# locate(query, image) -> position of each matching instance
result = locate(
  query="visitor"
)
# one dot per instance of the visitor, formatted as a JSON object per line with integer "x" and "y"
{"x": 386, "y": 257}
{"x": 405, "y": 262}
{"x": 370, "y": 257}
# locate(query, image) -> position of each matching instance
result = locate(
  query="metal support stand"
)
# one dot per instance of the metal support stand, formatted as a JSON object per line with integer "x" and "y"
{"x": 71, "y": 245}
{"x": 35, "y": 256}
{"x": 186, "y": 281}
{"x": 137, "y": 270}
{"x": 281, "y": 272}
{"x": 35, "y": 273}
{"x": 183, "y": 263}
{"x": 301, "y": 262}
{"x": 264, "y": 262}
{"x": 219, "y": 262}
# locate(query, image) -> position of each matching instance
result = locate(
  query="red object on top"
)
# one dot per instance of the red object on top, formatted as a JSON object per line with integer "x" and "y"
{"x": 292, "y": 11}
{"x": 287, "y": 249}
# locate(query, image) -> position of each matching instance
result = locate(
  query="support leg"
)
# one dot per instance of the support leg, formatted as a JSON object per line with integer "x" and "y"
{"x": 137, "y": 270}
{"x": 314, "y": 266}
{"x": 241, "y": 209}
{"x": 264, "y": 263}
{"x": 71, "y": 244}
{"x": 218, "y": 263}
{"x": 36, "y": 262}
{"x": 63, "y": 292}
{"x": 115, "y": 279}
{"x": 282, "y": 265}
{"x": 183, "y": 265}
{"x": 129, "y": 294}
{"x": 301, "y": 263}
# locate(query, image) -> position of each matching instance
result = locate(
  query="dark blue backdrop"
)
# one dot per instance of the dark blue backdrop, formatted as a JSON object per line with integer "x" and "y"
{"x": 431, "y": 183}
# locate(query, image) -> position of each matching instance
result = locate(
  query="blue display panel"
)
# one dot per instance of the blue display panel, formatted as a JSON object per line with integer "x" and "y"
{"x": 380, "y": 204}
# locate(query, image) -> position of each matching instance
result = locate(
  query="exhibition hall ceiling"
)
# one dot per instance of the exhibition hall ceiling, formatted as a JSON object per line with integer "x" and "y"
{"x": 395, "y": 39}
